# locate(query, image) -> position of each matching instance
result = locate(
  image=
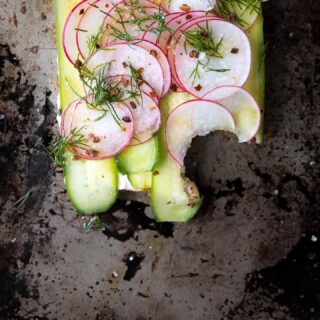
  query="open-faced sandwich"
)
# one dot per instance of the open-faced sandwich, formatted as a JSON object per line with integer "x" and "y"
{"x": 139, "y": 80}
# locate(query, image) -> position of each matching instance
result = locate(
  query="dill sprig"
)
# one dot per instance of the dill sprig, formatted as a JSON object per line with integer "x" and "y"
{"x": 22, "y": 200}
{"x": 233, "y": 10}
{"x": 202, "y": 41}
{"x": 94, "y": 41}
{"x": 93, "y": 223}
{"x": 105, "y": 91}
{"x": 195, "y": 74}
{"x": 61, "y": 145}
{"x": 153, "y": 23}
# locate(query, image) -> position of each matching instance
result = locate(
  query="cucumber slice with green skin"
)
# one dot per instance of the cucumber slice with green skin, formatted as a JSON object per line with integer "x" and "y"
{"x": 138, "y": 162}
{"x": 140, "y": 158}
{"x": 173, "y": 197}
{"x": 256, "y": 81}
{"x": 92, "y": 185}
{"x": 141, "y": 180}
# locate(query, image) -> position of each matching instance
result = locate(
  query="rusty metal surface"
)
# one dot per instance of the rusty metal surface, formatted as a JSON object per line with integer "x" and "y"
{"x": 251, "y": 253}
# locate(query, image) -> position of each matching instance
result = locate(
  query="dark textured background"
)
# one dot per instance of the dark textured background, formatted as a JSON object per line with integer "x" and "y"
{"x": 251, "y": 253}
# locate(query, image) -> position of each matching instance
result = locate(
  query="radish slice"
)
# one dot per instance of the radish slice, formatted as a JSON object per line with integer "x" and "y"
{"x": 194, "y": 118}
{"x": 162, "y": 59}
{"x": 91, "y": 22}
{"x": 121, "y": 55}
{"x": 147, "y": 119}
{"x": 243, "y": 107}
{"x": 67, "y": 117}
{"x": 119, "y": 22}
{"x": 195, "y": 17}
{"x": 69, "y": 37}
{"x": 145, "y": 110}
{"x": 186, "y": 6}
{"x": 150, "y": 36}
{"x": 104, "y": 136}
{"x": 231, "y": 69}
{"x": 175, "y": 21}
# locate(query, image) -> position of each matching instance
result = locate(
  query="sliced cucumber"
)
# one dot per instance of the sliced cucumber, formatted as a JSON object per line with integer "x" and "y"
{"x": 138, "y": 162}
{"x": 256, "y": 81}
{"x": 140, "y": 158}
{"x": 141, "y": 180}
{"x": 92, "y": 185}
{"x": 173, "y": 197}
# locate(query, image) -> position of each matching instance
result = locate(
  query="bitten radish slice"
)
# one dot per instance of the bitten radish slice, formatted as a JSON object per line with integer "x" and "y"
{"x": 162, "y": 59}
{"x": 122, "y": 55}
{"x": 243, "y": 107}
{"x": 185, "y": 6}
{"x": 69, "y": 36}
{"x": 199, "y": 73}
{"x": 104, "y": 136}
{"x": 194, "y": 118}
{"x": 90, "y": 24}
{"x": 66, "y": 118}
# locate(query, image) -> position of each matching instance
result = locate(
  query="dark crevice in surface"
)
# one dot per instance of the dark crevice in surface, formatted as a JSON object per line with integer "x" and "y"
{"x": 133, "y": 261}
{"x": 133, "y": 219}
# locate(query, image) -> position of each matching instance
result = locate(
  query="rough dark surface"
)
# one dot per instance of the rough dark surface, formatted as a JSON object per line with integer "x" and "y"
{"x": 251, "y": 253}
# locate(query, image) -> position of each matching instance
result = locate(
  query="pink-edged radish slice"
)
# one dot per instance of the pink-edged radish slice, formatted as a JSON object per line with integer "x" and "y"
{"x": 174, "y": 22}
{"x": 147, "y": 119}
{"x": 153, "y": 37}
{"x": 158, "y": 53}
{"x": 121, "y": 24}
{"x": 69, "y": 35}
{"x": 144, "y": 108}
{"x": 187, "y": 6}
{"x": 121, "y": 55}
{"x": 91, "y": 24}
{"x": 199, "y": 73}
{"x": 105, "y": 133}
{"x": 194, "y": 118}
{"x": 243, "y": 107}
{"x": 66, "y": 118}
{"x": 197, "y": 17}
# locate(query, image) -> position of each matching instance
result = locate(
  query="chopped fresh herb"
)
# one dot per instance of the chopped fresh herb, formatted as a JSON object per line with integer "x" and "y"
{"x": 195, "y": 74}
{"x": 21, "y": 201}
{"x": 202, "y": 41}
{"x": 94, "y": 42}
{"x": 61, "y": 145}
{"x": 81, "y": 30}
{"x": 153, "y": 23}
{"x": 93, "y": 223}
{"x": 217, "y": 70}
{"x": 227, "y": 9}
